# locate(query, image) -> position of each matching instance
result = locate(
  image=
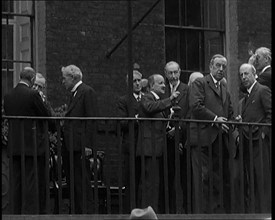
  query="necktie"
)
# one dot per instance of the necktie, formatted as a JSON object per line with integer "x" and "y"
{"x": 246, "y": 98}
{"x": 138, "y": 98}
{"x": 218, "y": 87}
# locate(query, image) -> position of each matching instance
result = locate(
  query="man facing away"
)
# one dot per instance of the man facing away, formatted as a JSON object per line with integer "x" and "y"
{"x": 78, "y": 135}
{"x": 151, "y": 140}
{"x": 24, "y": 101}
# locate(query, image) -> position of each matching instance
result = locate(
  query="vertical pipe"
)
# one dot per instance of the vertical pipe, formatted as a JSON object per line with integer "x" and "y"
{"x": 35, "y": 166}
{"x": 83, "y": 168}
{"x": 178, "y": 198}
{"x": 260, "y": 181}
{"x": 221, "y": 180}
{"x": 200, "y": 183}
{"x": 130, "y": 107}
{"x": 188, "y": 170}
{"x": 119, "y": 167}
{"x": 59, "y": 167}
{"x": 231, "y": 144}
{"x": 11, "y": 170}
{"x": 241, "y": 156}
{"x": 154, "y": 167}
{"x": 165, "y": 171}
{"x": 47, "y": 172}
{"x": 71, "y": 156}
{"x": 23, "y": 168}
{"x": 251, "y": 171}
{"x": 108, "y": 176}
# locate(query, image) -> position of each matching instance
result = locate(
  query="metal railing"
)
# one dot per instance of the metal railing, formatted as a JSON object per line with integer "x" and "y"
{"x": 116, "y": 179}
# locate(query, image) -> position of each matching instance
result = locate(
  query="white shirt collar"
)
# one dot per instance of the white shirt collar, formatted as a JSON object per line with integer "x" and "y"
{"x": 176, "y": 86}
{"x": 22, "y": 82}
{"x": 75, "y": 86}
{"x": 136, "y": 95}
{"x": 215, "y": 81}
{"x": 249, "y": 90}
{"x": 264, "y": 69}
{"x": 155, "y": 94}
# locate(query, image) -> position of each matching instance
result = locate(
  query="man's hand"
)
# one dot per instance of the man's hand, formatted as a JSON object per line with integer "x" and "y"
{"x": 88, "y": 151}
{"x": 224, "y": 127}
{"x": 181, "y": 148}
{"x": 174, "y": 95}
{"x": 239, "y": 118}
{"x": 171, "y": 133}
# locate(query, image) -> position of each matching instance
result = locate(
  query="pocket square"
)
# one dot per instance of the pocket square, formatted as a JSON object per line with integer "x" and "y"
{"x": 253, "y": 101}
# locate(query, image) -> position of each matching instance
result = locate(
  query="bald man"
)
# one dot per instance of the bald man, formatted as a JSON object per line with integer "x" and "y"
{"x": 256, "y": 108}
{"x": 151, "y": 139}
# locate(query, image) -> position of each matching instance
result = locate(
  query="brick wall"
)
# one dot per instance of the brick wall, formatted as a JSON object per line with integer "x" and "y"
{"x": 82, "y": 32}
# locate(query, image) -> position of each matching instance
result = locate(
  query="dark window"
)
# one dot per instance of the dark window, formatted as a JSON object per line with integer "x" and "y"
{"x": 194, "y": 32}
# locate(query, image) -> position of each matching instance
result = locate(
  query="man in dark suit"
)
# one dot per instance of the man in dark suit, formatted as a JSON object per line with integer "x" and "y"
{"x": 172, "y": 73}
{"x": 24, "y": 101}
{"x": 256, "y": 107}
{"x": 262, "y": 62}
{"x": 78, "y": 135}
{"x": 210, "y": 100}
{"x": 124, "y": 111}
{"x": 151, "y": 140}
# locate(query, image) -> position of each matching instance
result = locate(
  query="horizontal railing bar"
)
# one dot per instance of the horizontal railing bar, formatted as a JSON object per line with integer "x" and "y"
{"x": 135, "y": 119}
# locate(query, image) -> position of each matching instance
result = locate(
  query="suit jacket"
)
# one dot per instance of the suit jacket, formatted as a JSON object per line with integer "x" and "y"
{"x": 123, "y": 111}
{"x": 206, "y": 102}
{"x": 83, "y": 104}
{"x": 24, "y": 101}
{"x": 182, "y": 99}
{"x": 152, "y": 108}
{"x": 265, "y": 78}
{"x": 257, "y": 109}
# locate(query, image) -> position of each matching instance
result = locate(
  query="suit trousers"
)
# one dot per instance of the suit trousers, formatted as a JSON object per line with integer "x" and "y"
{"x": 171, "y": 176}
{"x": 214, "y": 186}
{"x": 262, "y": 175}
{"x": 149, "y": 188}
{"x": 77, "y": 179}
{"x": 29, "y": 197}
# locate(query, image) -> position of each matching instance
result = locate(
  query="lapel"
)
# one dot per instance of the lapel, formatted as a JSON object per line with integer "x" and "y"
{"x": 251, "y": 96}
{"x": 75, "y": 99}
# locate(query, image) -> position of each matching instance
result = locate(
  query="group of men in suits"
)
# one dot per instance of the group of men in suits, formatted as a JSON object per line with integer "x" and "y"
{"x": 206, "y": 98}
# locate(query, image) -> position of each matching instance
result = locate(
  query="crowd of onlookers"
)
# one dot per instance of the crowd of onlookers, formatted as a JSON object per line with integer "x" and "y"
{"x": 162, "y": 96}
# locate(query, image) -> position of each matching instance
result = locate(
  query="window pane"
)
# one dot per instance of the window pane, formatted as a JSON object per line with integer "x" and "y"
{"x": 190, "y": 49}
{"x": 191, "y": 13}
{"x": 7, "y": 81}
{"x": 172, "y": 12}
{"x": 172, "y": 44}
{"x": 213, "y": 45}
{"x": 214, "y": 13}
{"x": 7, "y": 6}
{"x": 7, "y": 42}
